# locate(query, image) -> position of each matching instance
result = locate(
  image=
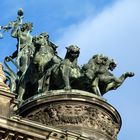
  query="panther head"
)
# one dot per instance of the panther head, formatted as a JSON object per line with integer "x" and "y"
{"x": 73, "y": 52}
{"x": 106, "y": 62}
{"x": 39, "y": 40}
{"x": 112, "y": 65}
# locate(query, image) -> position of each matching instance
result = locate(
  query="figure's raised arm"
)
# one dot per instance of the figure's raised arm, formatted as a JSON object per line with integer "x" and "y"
{"x": 17, "y": 23}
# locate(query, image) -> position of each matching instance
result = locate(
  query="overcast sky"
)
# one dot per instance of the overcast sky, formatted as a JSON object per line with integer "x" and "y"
{"x": 110, "y": 27}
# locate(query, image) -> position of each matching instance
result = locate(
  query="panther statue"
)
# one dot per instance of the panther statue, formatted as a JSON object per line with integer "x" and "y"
{"x": 63, "y": 73}
{"x": 103, "y": 80}
{"x": 107, "y": 81}
{"x": 95, "y": 76}
{"x": 33, "y": 78}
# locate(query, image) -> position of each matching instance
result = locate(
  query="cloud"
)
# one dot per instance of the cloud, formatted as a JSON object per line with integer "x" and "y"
{"x": 113, "y": 31}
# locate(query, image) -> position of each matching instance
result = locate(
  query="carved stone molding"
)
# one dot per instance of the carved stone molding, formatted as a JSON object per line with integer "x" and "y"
{"x": 3, "y": 86}
{"x": 92, "y": 117}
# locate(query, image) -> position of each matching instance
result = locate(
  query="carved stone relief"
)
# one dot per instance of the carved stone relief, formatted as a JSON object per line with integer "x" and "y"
{"x": 81, "y": 115}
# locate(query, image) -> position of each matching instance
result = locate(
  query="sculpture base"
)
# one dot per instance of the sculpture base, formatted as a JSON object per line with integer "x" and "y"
{"x": 74, "y": 110}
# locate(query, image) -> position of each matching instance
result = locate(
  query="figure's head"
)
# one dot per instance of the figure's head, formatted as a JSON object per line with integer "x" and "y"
{"x": 27, "y": 26}
{"x": 73, "y": 51}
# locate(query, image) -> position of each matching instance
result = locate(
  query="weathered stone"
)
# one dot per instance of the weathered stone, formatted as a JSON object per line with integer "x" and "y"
{"x": 5, "y": 96}
{"x": 3, "y": 86}
{"x": 88, "y": 116}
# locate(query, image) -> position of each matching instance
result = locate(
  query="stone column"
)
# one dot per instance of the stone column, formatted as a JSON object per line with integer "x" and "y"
{"x": 5, "y": 95}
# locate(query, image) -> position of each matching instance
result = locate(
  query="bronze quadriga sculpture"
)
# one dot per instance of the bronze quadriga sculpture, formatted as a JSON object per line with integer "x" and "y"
{"x": 58, "y": 92}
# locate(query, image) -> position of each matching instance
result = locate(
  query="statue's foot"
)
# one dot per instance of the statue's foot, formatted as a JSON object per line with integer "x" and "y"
{"x": 20, "y": 102}
{"x": 129, "y": 74}
{"x": 67, "y": 88}
{"x": 7, "y": 59}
